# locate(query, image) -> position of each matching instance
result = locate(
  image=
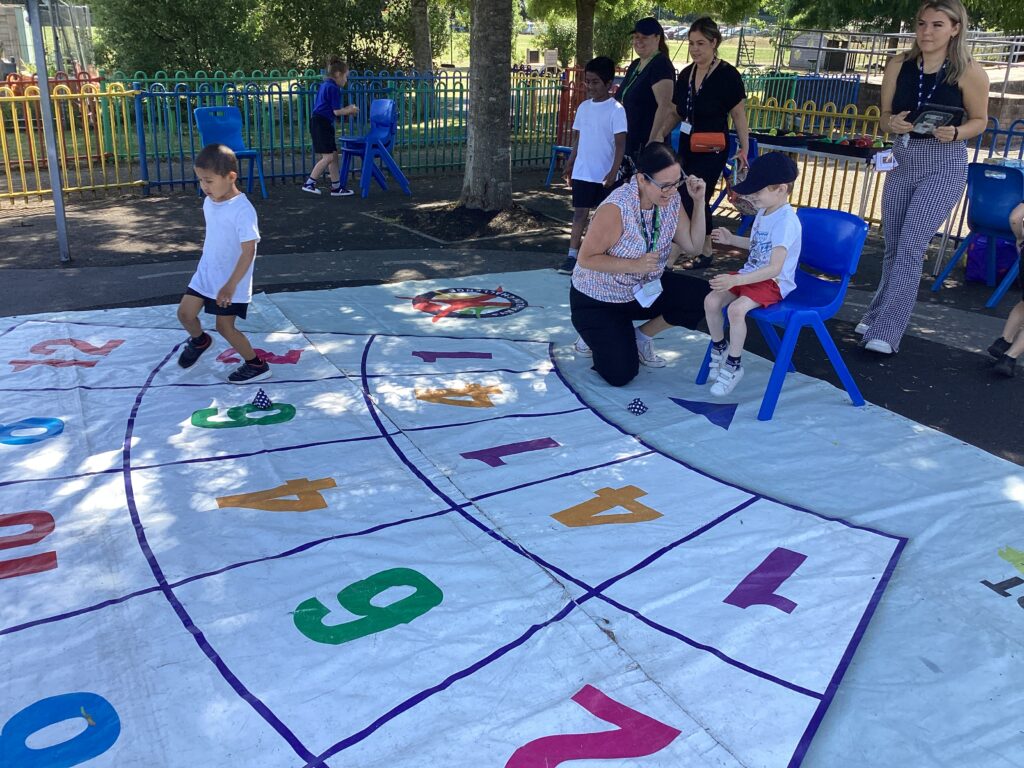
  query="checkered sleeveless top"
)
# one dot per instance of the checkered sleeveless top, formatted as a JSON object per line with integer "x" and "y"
{"x": 618, "y": 288}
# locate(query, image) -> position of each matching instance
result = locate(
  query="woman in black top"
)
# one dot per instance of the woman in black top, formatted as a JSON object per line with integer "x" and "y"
{"x": 646, "y": 90}
{"x": 931, "y": 171}
{"x": 707, "y": 93}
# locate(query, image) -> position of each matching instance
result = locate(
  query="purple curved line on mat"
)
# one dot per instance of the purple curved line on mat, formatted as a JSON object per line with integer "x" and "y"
{"x": 168, "y": 593}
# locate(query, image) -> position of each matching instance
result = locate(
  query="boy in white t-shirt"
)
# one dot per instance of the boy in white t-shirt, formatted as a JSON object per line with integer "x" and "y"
{"x": 222, "y": 284}
{"x": 598, "y": 143}
{"x": 769, "y": 273}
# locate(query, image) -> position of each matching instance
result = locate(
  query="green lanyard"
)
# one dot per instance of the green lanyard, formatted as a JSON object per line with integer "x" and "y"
{"x": 651, "y": 240}
{"x": 621, "y": 94}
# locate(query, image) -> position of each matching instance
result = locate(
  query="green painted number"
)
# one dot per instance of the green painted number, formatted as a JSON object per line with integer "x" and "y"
{"x": 239, "y": 416}
{"x": 355, "y": 598}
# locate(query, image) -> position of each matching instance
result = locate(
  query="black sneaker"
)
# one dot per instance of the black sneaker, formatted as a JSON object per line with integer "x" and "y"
{"x": 247, "y": 372}
{"x": 1006, "y": 366}
{"x": 341, "y": 192}
{"x": 567, "y": 266}
{"x": 998, "y": 347}
{"x": 192, "y": 351}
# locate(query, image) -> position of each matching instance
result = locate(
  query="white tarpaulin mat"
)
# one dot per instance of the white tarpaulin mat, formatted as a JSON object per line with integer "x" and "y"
{"x": 447, "y": 542}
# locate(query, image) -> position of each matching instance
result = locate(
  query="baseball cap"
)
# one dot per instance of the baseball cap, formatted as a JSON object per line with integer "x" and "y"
{"x": 770, "y": 168}
{"x": 648, "y": 26}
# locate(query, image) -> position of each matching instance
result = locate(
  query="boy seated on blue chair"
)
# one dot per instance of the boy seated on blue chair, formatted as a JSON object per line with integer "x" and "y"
{"x": 1007, "y": 348}
{"x": 770, "y": 272}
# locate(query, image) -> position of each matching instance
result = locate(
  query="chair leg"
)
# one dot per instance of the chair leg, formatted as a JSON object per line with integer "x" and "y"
{"x": 346, "y": 158}
{"x": 396, "y": 172}
{"x": 782, "y": 363}
{"x": 953, "y": 261}
{"x": 259, "y": 171}
{"x": 772, "y": 339}
{"x": 1004, "y": 286}
{"x": 838, "y": 364}
{"x": 551, "y": 167}
{"x": 378, "y": 176}
{"x": 366, "y": 172}
{"x": 705, "y": 367}
{"x": 248, "y": 185}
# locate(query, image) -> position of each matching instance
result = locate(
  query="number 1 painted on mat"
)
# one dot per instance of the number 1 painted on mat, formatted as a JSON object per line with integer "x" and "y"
{"x": 759, "y": 587}
{"x": 637, "y": 735}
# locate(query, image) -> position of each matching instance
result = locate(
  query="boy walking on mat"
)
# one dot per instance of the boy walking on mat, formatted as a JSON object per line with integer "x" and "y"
{"x": 769, "y": 273}
{"x": 222, "y": 284}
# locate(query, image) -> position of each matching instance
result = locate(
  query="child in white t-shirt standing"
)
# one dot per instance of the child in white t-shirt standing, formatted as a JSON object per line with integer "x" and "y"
{"x": 222, "y": 284}
{"x": 770, "y": 272}
{"x": 598, "y": 143}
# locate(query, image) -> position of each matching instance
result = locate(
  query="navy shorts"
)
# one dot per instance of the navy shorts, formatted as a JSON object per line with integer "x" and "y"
{"x": 238, "y": 309}
{"x": 322, "y": 131}
{"x": 588, "y": 194}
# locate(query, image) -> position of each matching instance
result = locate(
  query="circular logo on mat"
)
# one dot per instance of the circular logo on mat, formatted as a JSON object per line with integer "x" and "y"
{"x": 477, "y": 303}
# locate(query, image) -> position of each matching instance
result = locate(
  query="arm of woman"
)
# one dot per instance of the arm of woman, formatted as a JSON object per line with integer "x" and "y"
{"x": 666, "y": 111}
{"x": 604, "y": 232}
{"x": 739, "y": 122}
{"x": 887, "y": 121}
{"x": 974, "y": 87}
{"x": 690, "y": 231}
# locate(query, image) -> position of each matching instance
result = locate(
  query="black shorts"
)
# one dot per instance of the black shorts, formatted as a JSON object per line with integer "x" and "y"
{"x": 239, "y": 309}
{"x": 588, "y": 194}
{"x": 322, "y": 131}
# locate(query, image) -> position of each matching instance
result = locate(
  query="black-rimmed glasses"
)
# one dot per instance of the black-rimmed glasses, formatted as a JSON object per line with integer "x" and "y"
{"x": 667, "y": 186}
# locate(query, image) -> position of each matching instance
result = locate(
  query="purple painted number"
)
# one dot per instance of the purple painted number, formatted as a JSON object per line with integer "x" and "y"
{"x": 433, "y": 357}
{"x": 492, "y": 456}
{"x": 759, "y": 586}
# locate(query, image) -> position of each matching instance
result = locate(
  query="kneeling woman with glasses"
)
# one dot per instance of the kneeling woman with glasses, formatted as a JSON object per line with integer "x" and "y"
{"x": 620, "y": 274}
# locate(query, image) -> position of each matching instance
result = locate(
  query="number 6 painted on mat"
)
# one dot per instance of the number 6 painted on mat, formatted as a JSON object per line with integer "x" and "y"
{"x": 102, "y": 729}
{"x": 638, "y": 735}
{"x": 356, "y": 597}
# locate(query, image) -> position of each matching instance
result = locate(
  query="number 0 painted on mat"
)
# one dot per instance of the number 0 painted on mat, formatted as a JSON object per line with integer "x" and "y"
{"x": 356, "y": 597}
{"x": 102, "y": 729}
{"x": 638, "y": 735}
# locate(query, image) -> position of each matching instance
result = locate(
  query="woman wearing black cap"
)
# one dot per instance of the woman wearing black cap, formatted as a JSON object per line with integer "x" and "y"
{"x": 646, "y": 90}
{"x": 707, "y": 93}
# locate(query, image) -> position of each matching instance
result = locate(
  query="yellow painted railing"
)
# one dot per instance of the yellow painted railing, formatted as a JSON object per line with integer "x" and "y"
{"x": 95, "y": 135}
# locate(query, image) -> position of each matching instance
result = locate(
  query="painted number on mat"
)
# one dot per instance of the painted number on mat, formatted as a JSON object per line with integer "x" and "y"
{"x": 40, "y": 526}
{"x": 102, "y": 727}
{"x": 49, "y": 346}
{"x": 637, "y": 735}
{"x": 356, "y": 599}
{"x": 50, "y": 427}
{"x": 306, "y": 492}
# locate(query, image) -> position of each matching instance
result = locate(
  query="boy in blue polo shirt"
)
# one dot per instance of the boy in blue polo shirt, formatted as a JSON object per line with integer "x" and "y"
{"x": 326, "y": 109}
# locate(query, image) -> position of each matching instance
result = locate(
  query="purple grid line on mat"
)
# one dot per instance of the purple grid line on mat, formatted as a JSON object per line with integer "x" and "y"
{"x": 77, "y": 611}
{"x": 262, "y": 709}
{"x": 427, "y": 374}
{"x": 495, "y": 418}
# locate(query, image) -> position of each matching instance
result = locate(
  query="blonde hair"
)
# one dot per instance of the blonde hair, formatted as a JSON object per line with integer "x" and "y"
{"x": 336, "y": 65}
{"x": 957, "y": 52}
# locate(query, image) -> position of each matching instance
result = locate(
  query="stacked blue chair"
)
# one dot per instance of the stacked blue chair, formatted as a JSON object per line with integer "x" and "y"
{"x": 730, "y": 169}
{"x": 831, "y": 245}
{"x": 557, "y": 150}
{"x": 375, "y": 145}
{"x": 223, "y": 125}
{"x": 993, "y": 191}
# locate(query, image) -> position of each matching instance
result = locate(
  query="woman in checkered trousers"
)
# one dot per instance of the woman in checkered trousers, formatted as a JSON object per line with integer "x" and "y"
{"x": 932, "y": 167}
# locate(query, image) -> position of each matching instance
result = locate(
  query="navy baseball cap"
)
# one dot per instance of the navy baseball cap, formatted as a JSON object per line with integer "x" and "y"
{"x": 648, "y": 26}
{"x": 770, "y": 168}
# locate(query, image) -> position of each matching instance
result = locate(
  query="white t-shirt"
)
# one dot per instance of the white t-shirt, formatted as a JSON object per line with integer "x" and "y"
{"x": 228, "y": 225}
{"x": 597, "y": 122}
{"x": 769, "y": 231}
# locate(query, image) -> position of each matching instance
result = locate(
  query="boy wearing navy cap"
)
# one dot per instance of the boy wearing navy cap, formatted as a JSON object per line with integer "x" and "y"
{"x": 769, "y": 273}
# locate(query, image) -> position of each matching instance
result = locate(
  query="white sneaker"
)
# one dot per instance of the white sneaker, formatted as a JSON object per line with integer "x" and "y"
{"x": 645, "y": 349}
{"x": 717, "y": 361}
{"x": 861, "y": 329}
{"x": 311, "y": 188}
{"x": 877, "y": 345}
{"x": 728, "y": 378}
{"x": 580, "y": 348}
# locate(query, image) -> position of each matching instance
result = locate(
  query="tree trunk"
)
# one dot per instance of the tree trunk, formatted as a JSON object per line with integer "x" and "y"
{"x": 422, "y": 54}
{"x": 487, "y": 183}
{"x": 584, "y": 31}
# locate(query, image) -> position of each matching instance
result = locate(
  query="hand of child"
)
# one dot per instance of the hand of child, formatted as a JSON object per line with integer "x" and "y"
{"x": 351, "y": 110}
{"x": 611, "y": 177}
{"x": 696, "y": 186}
{"x": 723, "y": 282}
{"x": 224, "y": 296}
{"x": 567, "y": 175}
{"x": 721, "y": 235}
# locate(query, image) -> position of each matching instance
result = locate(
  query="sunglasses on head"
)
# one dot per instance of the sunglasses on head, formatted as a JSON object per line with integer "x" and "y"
{"x": 668, "y": 185}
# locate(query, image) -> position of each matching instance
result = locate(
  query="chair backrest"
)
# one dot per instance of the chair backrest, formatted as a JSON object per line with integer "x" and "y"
{"x": 992, "y": 193}
{"x": 383, "y": 119}
{"x": 220, "y": 125}
{"x": 832, "y": 240}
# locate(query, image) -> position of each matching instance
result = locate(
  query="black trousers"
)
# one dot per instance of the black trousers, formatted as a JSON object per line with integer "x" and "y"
{"x": 708, "y": 166}
{"x": 607, "y": 328}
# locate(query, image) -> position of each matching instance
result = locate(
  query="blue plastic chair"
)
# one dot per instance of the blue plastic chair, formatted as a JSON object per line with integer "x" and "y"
{"x": 831, "y": 244}
{"x": 556, "y": 151}
{"x": 375, "y": 145}
{"x": 993, "y": 191}
{"x": 223, "y": 125}
{"x": 746, "y": 222}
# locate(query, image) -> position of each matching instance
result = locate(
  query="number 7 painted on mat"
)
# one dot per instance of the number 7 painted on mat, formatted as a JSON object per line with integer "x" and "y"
{"x": 637, "y": 735}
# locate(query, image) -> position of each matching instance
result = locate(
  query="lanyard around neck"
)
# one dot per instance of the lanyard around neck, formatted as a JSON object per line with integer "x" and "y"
{"x": 691, "y": 95}
{"x": 921, "y": 98}
{"x": 633, "y": 76}
{"x": 651, "y": 237}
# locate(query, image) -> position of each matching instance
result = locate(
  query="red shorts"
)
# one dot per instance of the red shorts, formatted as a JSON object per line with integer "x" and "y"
{"x": 764, "y": 293}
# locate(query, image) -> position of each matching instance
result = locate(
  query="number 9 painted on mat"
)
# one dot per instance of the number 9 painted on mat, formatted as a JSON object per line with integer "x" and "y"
{"x": 356, "y": 597}
{"x": 102, "y": 729}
